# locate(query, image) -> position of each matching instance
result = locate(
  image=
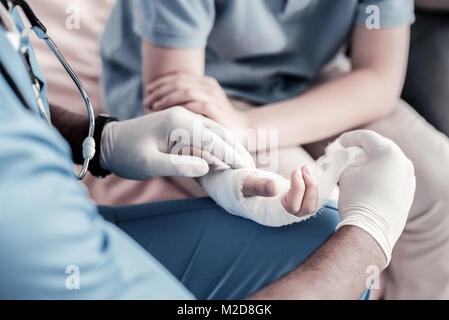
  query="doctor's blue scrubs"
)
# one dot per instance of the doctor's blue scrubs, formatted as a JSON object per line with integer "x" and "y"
{"x": 56, "y": 243}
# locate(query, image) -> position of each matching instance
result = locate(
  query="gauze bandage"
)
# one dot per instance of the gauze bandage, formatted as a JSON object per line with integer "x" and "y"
{"x": 226, "y": 187}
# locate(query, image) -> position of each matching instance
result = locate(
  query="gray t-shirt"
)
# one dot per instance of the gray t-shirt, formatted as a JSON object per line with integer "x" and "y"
{"x": 259, "y": 50}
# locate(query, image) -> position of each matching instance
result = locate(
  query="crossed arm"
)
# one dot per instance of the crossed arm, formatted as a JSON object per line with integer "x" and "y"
{"x": 368, "y": 92}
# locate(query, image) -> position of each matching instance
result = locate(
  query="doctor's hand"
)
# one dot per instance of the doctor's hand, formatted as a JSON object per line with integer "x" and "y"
{"x": 150, "y": 146}
{"x": 197, "y": 93}
{"x": 377, "y": 194}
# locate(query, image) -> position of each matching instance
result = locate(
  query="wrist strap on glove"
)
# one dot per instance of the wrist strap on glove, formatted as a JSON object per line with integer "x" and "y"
{"x": 95, "y": 168}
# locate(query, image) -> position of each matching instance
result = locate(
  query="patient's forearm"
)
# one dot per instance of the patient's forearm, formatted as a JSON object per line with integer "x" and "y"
{"x": 337, "y": 106}
{"x": 369, "y": 92}
{"x": 335, "y": 271}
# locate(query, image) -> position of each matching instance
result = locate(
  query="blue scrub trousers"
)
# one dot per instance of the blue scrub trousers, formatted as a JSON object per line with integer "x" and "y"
{"x": 217, "y": 255}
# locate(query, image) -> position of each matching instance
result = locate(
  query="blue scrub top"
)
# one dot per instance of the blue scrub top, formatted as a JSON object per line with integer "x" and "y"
{"x": 50, "y": 232}
{"x": 259, "y": 50}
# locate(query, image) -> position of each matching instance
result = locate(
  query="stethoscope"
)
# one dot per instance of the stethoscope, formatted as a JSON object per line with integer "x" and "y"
{"x": 41, "y": 32}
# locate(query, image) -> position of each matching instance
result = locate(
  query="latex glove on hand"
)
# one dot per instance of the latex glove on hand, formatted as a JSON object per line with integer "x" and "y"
{"x": 149, "y": 146}
{"x": 377, "y": 195}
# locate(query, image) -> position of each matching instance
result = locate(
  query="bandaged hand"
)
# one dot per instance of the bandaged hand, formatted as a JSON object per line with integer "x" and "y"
{"x": 377, "y": 195}
{"x": 262, "y": 196}
{"x": 276, "y": 201}
{"x": 150, "y": 146}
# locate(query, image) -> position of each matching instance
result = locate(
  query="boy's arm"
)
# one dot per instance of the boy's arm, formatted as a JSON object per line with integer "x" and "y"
{"x": 160, "y": 61}
{"x": 368, "y": 92}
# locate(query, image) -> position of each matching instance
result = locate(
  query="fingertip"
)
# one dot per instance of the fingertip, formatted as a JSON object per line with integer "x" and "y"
{"x": 202, "y": 170}
{"x": 296, "y": 179}
{"x": 271, "y": 188}
{"x": 310, "y": 200}
{"x": 199, "y": 168}
{"x": 309, "y": 178}
{"x": 155, "y": 105}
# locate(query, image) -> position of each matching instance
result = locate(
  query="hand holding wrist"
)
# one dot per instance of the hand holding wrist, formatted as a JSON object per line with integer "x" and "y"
{"x": 157, "y": 144}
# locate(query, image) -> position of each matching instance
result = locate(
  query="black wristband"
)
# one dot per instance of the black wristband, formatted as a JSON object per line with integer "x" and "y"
{"x": 94, "y": 165}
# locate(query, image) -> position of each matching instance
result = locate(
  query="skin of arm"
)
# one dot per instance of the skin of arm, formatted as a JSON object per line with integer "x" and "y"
{"x": 73, "y": 127}
{"x": 337, "y": 270}
{"x": 442, "y": 5}
{"x": 158, "y": 61}
{"x": 367, "y": 93}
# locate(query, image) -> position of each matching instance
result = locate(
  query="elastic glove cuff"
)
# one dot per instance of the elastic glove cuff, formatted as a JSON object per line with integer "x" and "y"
{"x": 94, "y": 166}
{"x": 372, "y": 224}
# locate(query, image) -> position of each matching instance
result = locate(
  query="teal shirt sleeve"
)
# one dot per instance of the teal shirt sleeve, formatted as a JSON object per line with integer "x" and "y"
{"x": 51, "y": 235}
{"x": 174, "y": 23}
{"x": 48, "y": 225}
{"x": 391, "y": 12}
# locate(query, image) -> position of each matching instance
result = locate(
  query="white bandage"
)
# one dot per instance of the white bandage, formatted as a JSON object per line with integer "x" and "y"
{"x": 225, "y": 187}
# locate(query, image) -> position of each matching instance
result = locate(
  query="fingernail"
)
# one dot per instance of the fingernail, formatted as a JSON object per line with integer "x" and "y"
{"x": 299, "y": 174}
{"x": 307, "y": 170}
{"x": 270, "y": 187}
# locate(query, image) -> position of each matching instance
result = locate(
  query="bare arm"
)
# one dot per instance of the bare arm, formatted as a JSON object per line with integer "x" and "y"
{"x": 73, "y": 127}
{"x": 433, "y": 4}
{"x": 369, "y": 92}
{"x": 159, "y": 61}
{"x": 336, "y": 271}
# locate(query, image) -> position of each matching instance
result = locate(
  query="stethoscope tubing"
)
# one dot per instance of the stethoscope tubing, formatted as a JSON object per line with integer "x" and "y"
{"x": 41, "y": 32}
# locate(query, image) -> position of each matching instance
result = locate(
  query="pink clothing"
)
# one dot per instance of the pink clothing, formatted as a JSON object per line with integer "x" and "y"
{"x": 76, "y": 27}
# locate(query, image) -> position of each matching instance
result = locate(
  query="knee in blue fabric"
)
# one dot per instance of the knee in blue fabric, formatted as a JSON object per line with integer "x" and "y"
{"x": 217, "y": 255}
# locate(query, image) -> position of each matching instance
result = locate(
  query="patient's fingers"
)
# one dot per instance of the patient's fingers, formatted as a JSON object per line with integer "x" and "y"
{"x": 310, "y": 200}
{"x": 166, "y": 89}
{"x": 293, "y": 198}
{"x": 179, "y": 97}
{"x": 256, "y": 186}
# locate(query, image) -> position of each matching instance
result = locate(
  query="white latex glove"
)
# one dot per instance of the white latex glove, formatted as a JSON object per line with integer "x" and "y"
{"x": 378, "y": 194}
{"x": 149, "y": 146}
